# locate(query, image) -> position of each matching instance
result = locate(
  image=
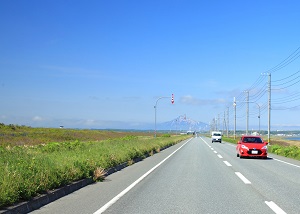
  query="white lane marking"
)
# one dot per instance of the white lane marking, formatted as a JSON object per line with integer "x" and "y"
{"x": 220, "y": 156}
{"x": 285, "y": 162}
{"x": 212, "y": 148}
{"x": 215, "y": 152}
{"x": 274, "y": 207}
{"x": 227, "y": 163}
{"x": 242, "y": 177}
{"x": 205, "y": 142}
{"x": 121, "y": 194}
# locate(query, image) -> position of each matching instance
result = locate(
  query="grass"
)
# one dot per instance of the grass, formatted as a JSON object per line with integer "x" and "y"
{"x": 43, "y": 164}
{"x": 14, "y": 135}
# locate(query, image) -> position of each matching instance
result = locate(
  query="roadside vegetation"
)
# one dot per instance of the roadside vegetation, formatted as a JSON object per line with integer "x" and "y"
{"x": 36, "y": 160}
{"x": 278, "y": 146}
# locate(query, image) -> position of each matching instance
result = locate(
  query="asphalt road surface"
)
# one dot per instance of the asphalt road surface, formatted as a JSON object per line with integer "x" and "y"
{"x": 195, "y": 176}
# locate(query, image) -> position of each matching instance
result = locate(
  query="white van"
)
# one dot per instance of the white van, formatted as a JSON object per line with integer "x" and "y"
{"x": 216, "y": 137}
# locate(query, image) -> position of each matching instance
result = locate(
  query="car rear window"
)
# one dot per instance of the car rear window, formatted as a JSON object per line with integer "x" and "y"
{"x": 252, "y": 140}
{"x": 215, "y": 134}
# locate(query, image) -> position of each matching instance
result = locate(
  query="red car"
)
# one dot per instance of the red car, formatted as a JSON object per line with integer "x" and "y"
{"x": 251, "y": 146}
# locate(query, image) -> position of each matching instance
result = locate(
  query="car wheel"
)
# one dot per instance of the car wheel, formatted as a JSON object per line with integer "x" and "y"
{"x": 237, "y": 154}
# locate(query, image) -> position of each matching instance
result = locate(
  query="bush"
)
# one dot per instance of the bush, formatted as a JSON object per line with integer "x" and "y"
{"x": 287, "y": 151}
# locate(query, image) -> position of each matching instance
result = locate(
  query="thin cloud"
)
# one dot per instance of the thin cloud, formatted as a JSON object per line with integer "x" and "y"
{"x": 37, "y": 118}
{"x": 190, "y": 100}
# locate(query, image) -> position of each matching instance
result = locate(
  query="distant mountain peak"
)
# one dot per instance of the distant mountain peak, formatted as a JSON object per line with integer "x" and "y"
{"x": 184, "y": 123}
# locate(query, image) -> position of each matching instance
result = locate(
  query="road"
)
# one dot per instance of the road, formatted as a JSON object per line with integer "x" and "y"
{"x": 195, "y": 176}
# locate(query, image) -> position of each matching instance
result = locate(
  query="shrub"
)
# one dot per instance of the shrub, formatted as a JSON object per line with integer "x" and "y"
{"x": 287, "y": 151}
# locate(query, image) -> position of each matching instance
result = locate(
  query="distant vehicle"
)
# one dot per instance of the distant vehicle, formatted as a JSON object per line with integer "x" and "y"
{"x": 251, "y": 146}
{"x": 191, "y": 132}
{"x": 216, "y": 137}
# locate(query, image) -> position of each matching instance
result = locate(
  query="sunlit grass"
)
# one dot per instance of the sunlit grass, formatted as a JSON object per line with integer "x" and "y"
{"x": 29, "y": 170}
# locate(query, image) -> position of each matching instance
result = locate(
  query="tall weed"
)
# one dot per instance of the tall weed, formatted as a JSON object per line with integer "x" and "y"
{"x": 26, "y": 171}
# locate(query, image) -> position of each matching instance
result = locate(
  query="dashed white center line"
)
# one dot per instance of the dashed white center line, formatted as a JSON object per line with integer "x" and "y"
{"x": 274, "y": 207}
{"x": 227, "y": 163}
{"x": 242, "y": 177}
{"x": 271, "y": 204}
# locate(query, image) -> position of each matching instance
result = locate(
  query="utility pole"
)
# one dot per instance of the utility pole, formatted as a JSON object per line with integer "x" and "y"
{"x": 234, "y": 106}
{"x": 224, "y": 123}
{"x": 216, "y": 124}
{"x": 247, "y": 111}
{"x": 227, "y": 121}
{"x": 269, "y": 108}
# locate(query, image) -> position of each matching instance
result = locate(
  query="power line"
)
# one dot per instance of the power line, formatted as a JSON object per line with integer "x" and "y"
{"x": 287, "y": 86}
{"x": 287, "y": 81}
{"x": 286, "y": 77}
{"x": 295, "y": 55}
{"x": 287, "y": 108}
{"x": 292, "y": 96}
{"x": 287, "y": 101}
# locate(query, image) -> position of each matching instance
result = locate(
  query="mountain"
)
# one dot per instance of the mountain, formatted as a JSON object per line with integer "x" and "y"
{"x": 183, "y": 124}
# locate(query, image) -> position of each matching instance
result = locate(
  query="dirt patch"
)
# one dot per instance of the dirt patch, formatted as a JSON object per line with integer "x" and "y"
{"x": 285, "y": 142}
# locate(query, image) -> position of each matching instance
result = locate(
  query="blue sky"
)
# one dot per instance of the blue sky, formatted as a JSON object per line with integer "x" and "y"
{"x": 103, "y": 64}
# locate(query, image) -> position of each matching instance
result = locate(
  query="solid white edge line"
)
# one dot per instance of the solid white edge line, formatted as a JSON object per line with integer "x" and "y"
{"x": 274, "y": 207}
{"x": 243, "y": 178}
{"x": 121, "y": 194}
{"x": 286, "y": 162}
{"x": 227, "y": 163}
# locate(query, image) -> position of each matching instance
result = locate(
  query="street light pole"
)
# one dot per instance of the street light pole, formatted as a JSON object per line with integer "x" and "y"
{"x": 155, "y": 107}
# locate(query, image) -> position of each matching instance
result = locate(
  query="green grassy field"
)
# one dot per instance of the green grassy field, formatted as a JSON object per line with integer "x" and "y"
{"x": 35, "y": 160}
